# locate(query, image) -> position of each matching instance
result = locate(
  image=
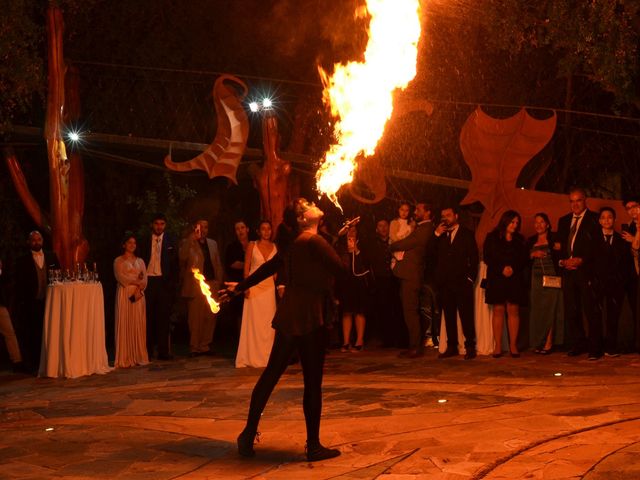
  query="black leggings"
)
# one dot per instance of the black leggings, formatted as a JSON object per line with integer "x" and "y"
{"x": 310, "y": 348}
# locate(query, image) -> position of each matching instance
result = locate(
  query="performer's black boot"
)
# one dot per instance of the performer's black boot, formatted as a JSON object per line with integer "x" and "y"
{"x": 245, "y": 442}
{"x": 316, "y": 452}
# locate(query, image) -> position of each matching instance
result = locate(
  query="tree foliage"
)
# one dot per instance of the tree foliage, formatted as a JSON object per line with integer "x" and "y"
{"x": 21, "y": 61}
{"x": 597, "y": 38}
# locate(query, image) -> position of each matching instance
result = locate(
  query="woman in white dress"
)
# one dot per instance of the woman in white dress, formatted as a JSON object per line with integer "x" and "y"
{"x": 256, "y": 333}
{"x": 131, "y": 316}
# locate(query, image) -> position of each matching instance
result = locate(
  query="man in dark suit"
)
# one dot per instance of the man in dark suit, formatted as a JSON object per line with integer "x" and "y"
{"x": 160, "y": 253}
{"x": 614, "y": 270}
{"x": 455, "y": 273}
{"x": 579, "y": 233}
{"x": 410, "y": 271}
{"x": 386, "y": 319}
{"x": 31, "y": 291}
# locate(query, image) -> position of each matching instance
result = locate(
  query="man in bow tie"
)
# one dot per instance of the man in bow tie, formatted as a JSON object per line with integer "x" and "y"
{"x": 31, "y": 291}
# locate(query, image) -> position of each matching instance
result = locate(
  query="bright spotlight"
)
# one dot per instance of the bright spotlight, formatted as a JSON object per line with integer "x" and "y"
{"x": 557, "y": 374}
{"x": 442, "y": 400}
{"x": 74, "y": 136}
{"x": 253, "y": 106}
{"x": 266, "y": 103}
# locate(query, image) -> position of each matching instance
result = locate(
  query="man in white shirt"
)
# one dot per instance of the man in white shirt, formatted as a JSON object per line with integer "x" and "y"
{"x": 160, "y": 253}
{"x": 31, "y": 289}
{"x": 579, "y": 233}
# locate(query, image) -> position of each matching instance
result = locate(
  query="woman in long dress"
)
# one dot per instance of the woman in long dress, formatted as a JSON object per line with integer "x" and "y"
{"x": 546, "y": 317}
{"x": 131, "y": 336}
{"x": 256, "y": 333}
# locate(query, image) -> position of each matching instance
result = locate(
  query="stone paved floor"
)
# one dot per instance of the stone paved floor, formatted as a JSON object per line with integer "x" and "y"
{"x": 503, "y": 419}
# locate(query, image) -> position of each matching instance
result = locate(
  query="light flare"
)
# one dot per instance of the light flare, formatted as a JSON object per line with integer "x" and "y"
{"x": 360, "y": 94}
{"x": 206, "y": 291}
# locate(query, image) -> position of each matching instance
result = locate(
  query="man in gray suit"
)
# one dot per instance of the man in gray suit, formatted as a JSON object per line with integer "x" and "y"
{"x": 201, "y": 252}
{"x": 410, "y": 271}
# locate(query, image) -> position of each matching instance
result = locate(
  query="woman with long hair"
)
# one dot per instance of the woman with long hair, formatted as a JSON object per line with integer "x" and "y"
{"x": 546, "y": 322}
{"x": 130, "y": 313}
{"x": 256, "y": 333}
{"x": 505, "y": 254}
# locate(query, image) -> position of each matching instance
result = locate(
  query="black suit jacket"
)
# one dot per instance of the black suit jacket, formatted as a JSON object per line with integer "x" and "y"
{"x": 586, "y": 241}
{"x": 613, "y": 265}
{"x": 457, "y": 262}
{"x": 168, "y": 256}
{"x": 27, "y": 276}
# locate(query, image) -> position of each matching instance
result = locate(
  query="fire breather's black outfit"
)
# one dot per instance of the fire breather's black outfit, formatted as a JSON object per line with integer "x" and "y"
{"x": 308, "y": 266}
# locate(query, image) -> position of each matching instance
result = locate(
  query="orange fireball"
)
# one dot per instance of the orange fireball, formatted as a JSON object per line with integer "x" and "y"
{"x": 360, "y": 94}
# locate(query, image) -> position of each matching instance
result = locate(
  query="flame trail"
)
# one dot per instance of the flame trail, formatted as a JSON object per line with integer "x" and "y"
{"x": 206, "y": 291}
{"x": 360, "y": 95}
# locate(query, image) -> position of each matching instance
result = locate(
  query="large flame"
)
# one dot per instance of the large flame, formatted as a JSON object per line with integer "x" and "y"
{"x": 361, "y": 94}
{"x": 206, "y": 291}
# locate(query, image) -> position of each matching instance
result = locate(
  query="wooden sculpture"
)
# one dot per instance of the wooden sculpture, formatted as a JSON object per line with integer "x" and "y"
{"x": 272, "y": 179}
{"x": 66, "y": 182}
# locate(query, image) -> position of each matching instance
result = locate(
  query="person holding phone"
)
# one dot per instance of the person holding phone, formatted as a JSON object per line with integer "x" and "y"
{"x": 198, "y": 251}
{"x": 130, "y": 312}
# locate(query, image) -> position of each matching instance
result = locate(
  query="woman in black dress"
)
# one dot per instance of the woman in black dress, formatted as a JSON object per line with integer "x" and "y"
{"x": 352, "y": 293}
{"x": 505, "y": 254}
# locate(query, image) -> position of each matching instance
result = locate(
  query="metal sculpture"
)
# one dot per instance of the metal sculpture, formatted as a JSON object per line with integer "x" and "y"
{"x": 496, "y": 150}
{"x": 222, "y": 157}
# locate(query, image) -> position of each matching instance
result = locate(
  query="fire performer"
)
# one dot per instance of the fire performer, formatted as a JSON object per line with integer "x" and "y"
{"x": 310, "y": 262}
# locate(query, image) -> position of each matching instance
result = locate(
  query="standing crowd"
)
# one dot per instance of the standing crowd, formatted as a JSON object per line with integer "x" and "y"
{"x": 396, "y": 285}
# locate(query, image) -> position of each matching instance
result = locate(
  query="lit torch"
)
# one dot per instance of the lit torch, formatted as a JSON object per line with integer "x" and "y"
{"x": 360, "y": 95}
{"x": 206, "y": 291}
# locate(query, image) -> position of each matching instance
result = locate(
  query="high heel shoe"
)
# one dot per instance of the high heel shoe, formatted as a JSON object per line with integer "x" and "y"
{"x": 497, "y": 355}
{"x": 515, "y": 355}
{"x": 245, "y": 443}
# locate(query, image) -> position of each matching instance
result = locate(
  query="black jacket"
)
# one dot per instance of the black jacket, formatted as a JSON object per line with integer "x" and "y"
{"x": 457, "y": 262}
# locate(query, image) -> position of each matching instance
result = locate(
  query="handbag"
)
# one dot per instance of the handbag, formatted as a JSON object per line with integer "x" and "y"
{"x": 550, "y": 281}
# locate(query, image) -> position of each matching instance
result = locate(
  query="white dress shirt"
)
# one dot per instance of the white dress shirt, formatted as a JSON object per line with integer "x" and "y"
{"x": 155, "y": 268}
{"x": 38, "y": 257}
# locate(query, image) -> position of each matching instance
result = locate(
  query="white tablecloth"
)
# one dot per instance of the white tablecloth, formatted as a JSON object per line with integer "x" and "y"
{"x": 73, "y": 342}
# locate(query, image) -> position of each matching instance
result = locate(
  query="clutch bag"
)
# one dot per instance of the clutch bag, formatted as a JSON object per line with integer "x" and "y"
{"x": 551, "y": 281}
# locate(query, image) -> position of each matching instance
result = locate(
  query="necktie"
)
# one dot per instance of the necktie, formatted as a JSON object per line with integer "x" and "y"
{"x": 449, "y": 236}
{"x": 607, "y": 238}
{"x": 572, "y": 234}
